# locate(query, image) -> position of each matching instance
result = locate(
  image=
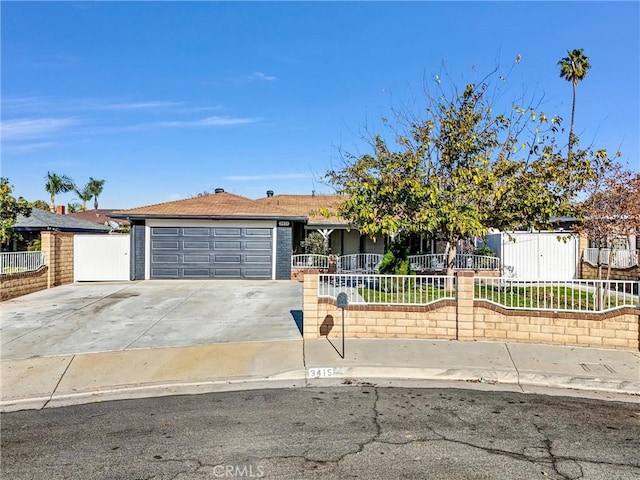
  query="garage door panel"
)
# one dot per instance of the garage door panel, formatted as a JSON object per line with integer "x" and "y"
{"x": 190, "y": 258}
{"x": 227, "y": 272}
{"x": 165, "y": 258}
{"x": 251, "y": 259}
{"x": 227, "y": 258}
{"x": 258, "y": 232}
{"x": 218, "y": 245}
{"x": 163, "y": 245}
{"x": 164, "y": 231}
{"x": 195, "y": 232}
{"x": 216, "y": 252}
{"x": 164, "y": 273}
{"x": 195, "y": 273}
{"x": 227, "y": 232}
{"x": 250, "y": 245}
{"x": 195, "y": 245}
{"x": 257, "y": 273}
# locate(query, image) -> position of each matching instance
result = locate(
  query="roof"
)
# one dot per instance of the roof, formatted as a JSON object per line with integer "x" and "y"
{"x": 319, "y": 209}
{"x": 42, "y": 220}
{"x": 217, "y": 205}
{"x": 101, "y": 216}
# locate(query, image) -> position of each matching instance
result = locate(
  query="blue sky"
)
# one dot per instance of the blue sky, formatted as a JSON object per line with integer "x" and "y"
{"x": 164, "y": 100}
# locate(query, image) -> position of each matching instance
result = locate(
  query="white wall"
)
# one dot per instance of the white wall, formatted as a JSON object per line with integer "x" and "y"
{"x": 101, "y": 258}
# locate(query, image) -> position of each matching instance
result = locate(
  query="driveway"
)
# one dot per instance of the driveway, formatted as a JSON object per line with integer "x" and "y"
{"x": 98, "y": 317}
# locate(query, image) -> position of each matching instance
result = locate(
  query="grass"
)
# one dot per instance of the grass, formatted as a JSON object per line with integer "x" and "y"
{"x": 557, "y": 298}
{"x": 411, "y": 295}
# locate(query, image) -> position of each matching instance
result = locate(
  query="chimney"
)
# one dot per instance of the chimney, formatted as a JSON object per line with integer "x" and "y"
{"x": 60, "y": 209}
{"x": 219, "y": 190}
{"x": 269, "y": 193}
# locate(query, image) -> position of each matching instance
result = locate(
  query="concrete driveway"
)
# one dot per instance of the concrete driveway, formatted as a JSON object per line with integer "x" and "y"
{"x": 99, "y": 317}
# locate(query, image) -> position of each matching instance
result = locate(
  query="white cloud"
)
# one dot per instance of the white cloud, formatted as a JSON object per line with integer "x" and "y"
{"x": 28, "y": 147}
{"x": 262, "y": 76}
{"x": 141, "y": 105}
{"x": 34, "y": 127}
{"x": 276, "y": 176}
{"x": 214, "y": 121}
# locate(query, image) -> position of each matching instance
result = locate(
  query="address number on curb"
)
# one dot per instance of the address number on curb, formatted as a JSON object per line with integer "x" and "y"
{"x": 321, "y": 372}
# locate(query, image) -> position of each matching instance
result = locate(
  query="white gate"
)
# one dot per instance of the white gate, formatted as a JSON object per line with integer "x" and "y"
{"x": 537, "y": 256}
{"x": 101, "y": 258}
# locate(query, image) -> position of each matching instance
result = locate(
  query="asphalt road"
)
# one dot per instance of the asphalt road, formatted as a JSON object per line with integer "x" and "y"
{"x": 345, "y": 432}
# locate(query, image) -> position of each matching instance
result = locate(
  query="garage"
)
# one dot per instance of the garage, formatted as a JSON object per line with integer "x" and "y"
{"x": 211, "y": 252}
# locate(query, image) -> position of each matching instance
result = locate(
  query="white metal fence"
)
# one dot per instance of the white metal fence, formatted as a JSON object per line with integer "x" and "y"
{"x": 359, "y": 263}
{"x": 309, "y": 261}
{"x": 563, "y": 295}
{"x": 17, "y": 262}
{"x": 387, "y": 289}
{"x": 620, "y": 258}
{"x": 438, "y": 262}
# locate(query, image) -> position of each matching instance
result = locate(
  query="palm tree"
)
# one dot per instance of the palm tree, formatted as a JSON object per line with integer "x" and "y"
{"x": 84, "y": 196}
{"x": 573, "y": 68}
{"x": 57, "y": 184}
{"x": 96, "y": 190}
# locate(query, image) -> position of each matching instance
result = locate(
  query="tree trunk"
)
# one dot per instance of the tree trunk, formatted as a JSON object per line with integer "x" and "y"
{"x": 451, "y": 263}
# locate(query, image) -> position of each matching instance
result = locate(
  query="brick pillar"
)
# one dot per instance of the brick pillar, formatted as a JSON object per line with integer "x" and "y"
{"x": 48, "y": 246}
{"x": 464, "y": 306}
{"x": 311, "y": 329}
{"x": 583, "y": 244}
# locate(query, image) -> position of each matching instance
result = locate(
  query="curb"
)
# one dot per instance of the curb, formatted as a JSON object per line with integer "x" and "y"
{"x": 400, "y": 377}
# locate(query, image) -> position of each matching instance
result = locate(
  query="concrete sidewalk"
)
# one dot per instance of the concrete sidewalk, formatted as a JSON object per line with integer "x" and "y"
{"x": 44, "y": 382}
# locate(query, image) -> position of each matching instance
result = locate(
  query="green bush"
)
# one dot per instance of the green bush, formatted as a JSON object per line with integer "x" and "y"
{"x": 485, "y": 250}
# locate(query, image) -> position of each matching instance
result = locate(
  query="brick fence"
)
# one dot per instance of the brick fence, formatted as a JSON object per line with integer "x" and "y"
{"x": 466, "y": 319}
{"x": 58, "y": 249}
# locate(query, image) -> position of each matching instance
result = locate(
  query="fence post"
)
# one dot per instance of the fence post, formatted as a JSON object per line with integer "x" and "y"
{"x": 310, "y": 328}
{"x": 464, "y": 305}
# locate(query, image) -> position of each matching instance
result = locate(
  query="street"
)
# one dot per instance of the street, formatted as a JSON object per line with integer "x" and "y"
{"x": 344, "y": 432}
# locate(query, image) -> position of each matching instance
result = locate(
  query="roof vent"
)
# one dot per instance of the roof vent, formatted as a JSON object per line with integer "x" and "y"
{"x": 269, "y": 193}
{"x": 219, "y": 190}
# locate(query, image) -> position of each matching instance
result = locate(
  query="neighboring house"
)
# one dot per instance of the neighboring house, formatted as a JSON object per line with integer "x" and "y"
{"x": 101, "y": 216}
{"x": 30, "y": 227}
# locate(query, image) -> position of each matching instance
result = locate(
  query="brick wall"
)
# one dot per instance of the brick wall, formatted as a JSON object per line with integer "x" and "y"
{"x": 18, "y": 284}
{"x": 590, "y": 272}
{"x": 466, "y": 319}
{"x": 58, "y": 249}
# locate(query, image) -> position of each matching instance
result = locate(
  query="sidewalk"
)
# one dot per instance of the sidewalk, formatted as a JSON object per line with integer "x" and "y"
{"x": 45, "y": 382}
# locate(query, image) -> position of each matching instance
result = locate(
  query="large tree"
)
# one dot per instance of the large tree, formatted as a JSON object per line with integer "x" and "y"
{"x": 10, "y": 208}
{"x": 56, "y": 184}
{"x": 461, "y": 170}
{"x": 95, "y": 187}
{"x": 573, "y": 68}
{"x": 611, "y": 211}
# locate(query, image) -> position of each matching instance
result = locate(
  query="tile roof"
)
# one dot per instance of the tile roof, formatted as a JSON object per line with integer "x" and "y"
{"x": 43, "y": 220}
{"x": 221, "y": 205}
{"x": 101, "y": 216}
{"x": 310, "y": 206}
